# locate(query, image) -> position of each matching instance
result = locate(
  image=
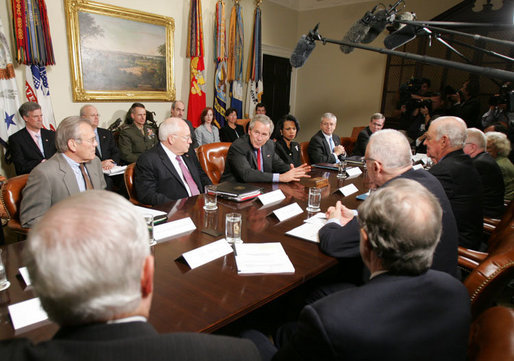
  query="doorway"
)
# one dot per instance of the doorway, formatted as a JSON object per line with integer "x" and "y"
{"x": 277, "y": 86}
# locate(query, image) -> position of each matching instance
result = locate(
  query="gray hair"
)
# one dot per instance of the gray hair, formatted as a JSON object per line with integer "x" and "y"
{"x": 88, "y": 271}
{"x": 500, "y": 142}
{"x": 28, "y": 107}
{"x": 391, "y": 148}
{"x": 68, "y": 129}
{"x": 377, "y": 116}
{"x": 264, "y": 119}
{"x": 174, "y": 103}
{"x": 84, "y": 107}
{"x": 453, "y": 127}
{"x": 477, "y": 137}
{"x": 403, "y": 224}
{"x": 328, "y": 116}
{"x": 169, "y": 127}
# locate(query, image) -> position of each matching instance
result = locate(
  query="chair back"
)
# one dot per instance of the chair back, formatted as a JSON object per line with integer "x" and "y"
{"x": 212, "y": 159}
{"x": 243, "y": 123}
{"x": 489, "y": 279}
{"x": 304, "y": 154}
{"x": 129, "y": 184}
{"x": 506, "y": 225}
{"x": 11, "y": 199}
{"x": 349, "y": 142}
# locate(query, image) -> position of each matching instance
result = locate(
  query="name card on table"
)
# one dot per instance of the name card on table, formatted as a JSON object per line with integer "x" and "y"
{"x": 348, "y": 189}
{"x": 174, "y": 228}
{"x": 205, "y": 254}
{"x": 27, "y": 315}
{"x": 24, "y": 272}
{"x": 256, "y": 258}
{"x": 288, "y": 211}
{"x": 271, "y": 197}
{"x": 417, "y": 166}
{"x": 353, "y": 172}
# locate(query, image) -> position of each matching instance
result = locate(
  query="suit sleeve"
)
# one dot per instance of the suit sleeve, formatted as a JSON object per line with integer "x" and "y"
{"x": 199, "y": 136}
{"x": 317, "y": 153}
{"x": 340, "y": 241}
{"x": 36, "y": 198}
{"x": 242, "y": 170}
{"x": 360, "y": 145}
{"x": 309, "y": 342}
{"x": 22, "y": 165}
{"x": 145, "y": 182}
{"x": 113, "y": 150}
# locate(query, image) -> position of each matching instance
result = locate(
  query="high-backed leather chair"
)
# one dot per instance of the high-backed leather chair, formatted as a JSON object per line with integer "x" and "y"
{"x": 212, "y": 159}
{"x": 129, "y": 184}
{"x": 243, "y": 123}
{"x": 491, "y": 336}
{"x": 349, "y": 142}
{"x": 304, "y": 154}
{"x": 11, "y": 199}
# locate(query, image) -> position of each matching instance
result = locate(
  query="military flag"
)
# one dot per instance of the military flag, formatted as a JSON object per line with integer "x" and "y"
{"x": 235, "y": 59}
{"x": 37, "y": 90}
{"x": 220, "y": 58}
{"x": 254, "y": 69}
{"x": 196, "y": 102}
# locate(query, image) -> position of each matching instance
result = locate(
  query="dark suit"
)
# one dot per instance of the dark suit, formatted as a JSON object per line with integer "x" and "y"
{"x": 362, "y": 142}
{"x": 392, "y": 317}
{"x": 290, "y": 155}
{"x": 492, "y": 184}
{"x": 109, "y": 151}
{"x": 194, "y": 142}
{"x": 25, "y": 153}
{"x": 319, "y": 149}
{"x": 241, "y": 162}
{"x": 132, "y": 341}
{"x": 343, "y": 242}
{"x": 463, "y": 187}
{"x": 156, "y": 180}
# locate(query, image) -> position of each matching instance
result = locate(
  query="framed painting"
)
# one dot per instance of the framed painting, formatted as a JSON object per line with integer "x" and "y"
{"x": 119, "y": 54}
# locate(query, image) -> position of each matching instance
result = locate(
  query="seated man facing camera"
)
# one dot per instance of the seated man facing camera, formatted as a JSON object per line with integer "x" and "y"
{"x": 406, "y": 311}
{"x": 95, "y": 279}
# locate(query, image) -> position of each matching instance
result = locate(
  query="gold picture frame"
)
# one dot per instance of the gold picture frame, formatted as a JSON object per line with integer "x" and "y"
{"x": 119, "y": 54}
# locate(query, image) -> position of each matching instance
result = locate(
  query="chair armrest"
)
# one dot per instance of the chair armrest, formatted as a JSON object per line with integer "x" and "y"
{"x": 473, "y": 255}
{"x": 467, "y": 263}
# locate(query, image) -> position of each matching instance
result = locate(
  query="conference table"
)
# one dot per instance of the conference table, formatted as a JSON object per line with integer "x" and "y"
{"x": 211, "y": 296}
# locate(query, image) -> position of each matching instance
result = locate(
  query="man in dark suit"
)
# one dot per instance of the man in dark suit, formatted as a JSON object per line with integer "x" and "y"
{"x": 102, "y": 302}
{"x": 461, "y": 182}
{"x": 252, "y": 157}
{"x": 178, "y": 109}
{"x": 405, "y": 311}
{"x": 493, "y": 187}
{"x": 73, "y": 169}
{"x": 375, "y": 124}
{"x": 33, "y": 144}
{"x": 388, "y": 157}
{"x": 325, "y": 146}
{"x": 170, "y": 170}
{"x": 106, "y": 149}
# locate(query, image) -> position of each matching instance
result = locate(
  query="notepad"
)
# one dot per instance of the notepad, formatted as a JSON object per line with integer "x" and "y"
{"x": 256, "y": 258}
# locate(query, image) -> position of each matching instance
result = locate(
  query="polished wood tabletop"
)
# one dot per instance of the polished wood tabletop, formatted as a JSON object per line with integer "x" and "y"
{"x": 213, "y": 295}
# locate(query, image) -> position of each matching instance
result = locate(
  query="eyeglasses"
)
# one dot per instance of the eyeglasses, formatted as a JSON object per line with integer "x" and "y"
{"x": 90, "y": 141}
{"x": 184, "y": 137}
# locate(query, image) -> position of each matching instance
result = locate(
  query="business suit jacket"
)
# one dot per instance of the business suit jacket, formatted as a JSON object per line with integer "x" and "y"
{"x": 131, "y": 341}
{"x": 107, "y": 146}
{"x": 362, "y": 142}
{"x": 194, "y": 142}
{"x": 319, "y": 149}
{"x": 343, "y": 242}
{"x": 25, "y": 154}
{"x": 132, "y": 143}
{"x": 462, "y": 185}
{"x": 288, "y": 155}
{"x": 156, "y": 180}
{"x": 493, "y": 187}
{"x": 392, "y": 317}
{"x": 51, "y": 182}
{"x": 241, "y": 162}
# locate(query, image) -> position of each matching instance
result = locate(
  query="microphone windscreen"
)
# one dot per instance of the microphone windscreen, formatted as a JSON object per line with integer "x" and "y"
{"x": 377, "y": 26}
{"x": 400, "y": 37}
{"x": 302, "y": 51}
{"x": 355, "y": 35}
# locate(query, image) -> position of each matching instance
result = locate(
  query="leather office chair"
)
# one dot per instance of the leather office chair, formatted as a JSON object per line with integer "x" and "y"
{"x": 129, "y": 184}
{"x": 491, "y": 336}
{"x": 212, "y": 159}
{"x": 349, "y": 142}
{"x": 11, "y": 200}
{"x": 243, "y": 123}
{"x": 304, "y": 154}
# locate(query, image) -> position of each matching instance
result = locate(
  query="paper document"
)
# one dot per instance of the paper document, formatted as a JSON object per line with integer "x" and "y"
{"x": 27, "y": 315}
{"x": 174, "y": 228}
{"x": 117, "y": 169}
{"x": 254, "y": 258}
{"x": 307, "y": 231}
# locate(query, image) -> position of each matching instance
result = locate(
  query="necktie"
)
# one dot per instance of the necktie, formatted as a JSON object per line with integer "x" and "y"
{"x": 40, "y": 144}
{"x": 187, "y": 176}
{"x": 98, "y": 146}
{"x": 331, "y": 145}
{"x": 89, "y": 185}
{"x": 259, "y": 159}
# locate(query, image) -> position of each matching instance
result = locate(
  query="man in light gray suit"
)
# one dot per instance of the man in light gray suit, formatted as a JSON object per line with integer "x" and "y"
{"x": 73, "y": 169}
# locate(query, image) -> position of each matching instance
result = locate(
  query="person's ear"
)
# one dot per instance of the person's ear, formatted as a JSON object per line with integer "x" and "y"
{"x": 147, "y": 276}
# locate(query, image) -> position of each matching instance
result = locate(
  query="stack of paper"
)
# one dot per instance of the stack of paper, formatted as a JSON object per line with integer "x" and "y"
{"x": 252, "y": 258}
{"x": 309, "y": 230}
{"x": 117, "y": 169}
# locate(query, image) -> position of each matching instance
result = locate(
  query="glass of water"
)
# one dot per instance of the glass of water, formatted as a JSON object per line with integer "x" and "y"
{"x": 341, "y": 170}
{"x": 4, "y": 283}
{"x": 314, "y": 202}
{"x": 210, "y": 201}
{"x": 233, "y": 225}
{"x": 150, "y": 224}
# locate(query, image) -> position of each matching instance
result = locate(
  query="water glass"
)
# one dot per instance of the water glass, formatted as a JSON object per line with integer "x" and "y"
{"x": 314, "y": 202}
{"x": 4, "y": 283}
{"x": 341, "y": 170}
{"x": 150, "y": 224}
{"x": 210, "y": 199}
{"x": 233, "y": 225}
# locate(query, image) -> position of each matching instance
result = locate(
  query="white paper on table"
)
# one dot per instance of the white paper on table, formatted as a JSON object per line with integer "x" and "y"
{"x": 353, "y": 171}
{"x": 27, "y": 313}
{"x": 348, "y": 189}
{"x": 202, "y": 255}
{"x": 417, "y": 166}
{"x": 24, "y": 272}
{"x": 271, "y": 197}
{"x": 174, "y": 228}
{"x": 254, "y": 258}
{"x": 319, "y": 217}
{"x": 288, "y": 211}
{"x": 307, "y": 231}
{"x": 153, "y": 212}
{"x": 117, "y": 169}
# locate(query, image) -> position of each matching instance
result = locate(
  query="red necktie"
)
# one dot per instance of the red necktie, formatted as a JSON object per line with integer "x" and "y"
{"x": 187, "y": 176}
{"x": 259, "y": 159}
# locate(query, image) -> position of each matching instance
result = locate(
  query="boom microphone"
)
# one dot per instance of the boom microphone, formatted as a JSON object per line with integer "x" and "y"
{"x": 304, "y": 48}
{"x": 358, "y": 31}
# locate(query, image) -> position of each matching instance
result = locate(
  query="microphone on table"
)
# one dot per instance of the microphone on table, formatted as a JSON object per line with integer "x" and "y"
{"x": 304, "y": 48}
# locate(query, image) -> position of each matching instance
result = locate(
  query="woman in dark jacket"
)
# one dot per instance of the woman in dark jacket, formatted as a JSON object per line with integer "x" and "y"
{"x": 231, "y": 131}
{"x": 285, "y": 147}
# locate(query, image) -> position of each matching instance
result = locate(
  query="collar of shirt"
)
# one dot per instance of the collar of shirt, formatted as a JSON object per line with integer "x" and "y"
{"x": 328, "y": 137}
{"x": 129, "y": 319}
{"x": 34, "y": 134}
{"x": 75, "y": 167}
{"x": 173, "y": 158}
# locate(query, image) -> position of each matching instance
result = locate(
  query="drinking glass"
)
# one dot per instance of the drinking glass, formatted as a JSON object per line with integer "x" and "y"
{"x": 233, "y": 223}
{"x": 4, "y": 283}
{"x": 210, "y": 199}
{"x": 341, "y": 170}
{"x": 314, "y": 202}
{"x": 150, "y": 224}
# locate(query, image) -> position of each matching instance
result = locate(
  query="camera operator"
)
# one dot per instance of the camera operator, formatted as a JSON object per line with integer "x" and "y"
{"x": 499, "y": 108}
{"x": 423, "y": 113}
{"x": 467, "y": 106}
